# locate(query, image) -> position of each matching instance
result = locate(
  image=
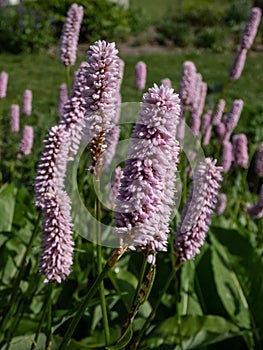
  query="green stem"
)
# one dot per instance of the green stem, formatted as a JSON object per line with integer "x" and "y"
{"x": 141, "y": 295}
{"x": 49, "y": 318}
{"x": 138, "y": 339}
{"x": 116, "y": 255}
{"x": 19, "y": 277}
{"x": 68, "y": 80}
{"x": 99, "y": 268}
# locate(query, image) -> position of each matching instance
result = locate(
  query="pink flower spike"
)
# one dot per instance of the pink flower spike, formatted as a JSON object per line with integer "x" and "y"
{"x": 70, "y": 35}
{"x": 240, "y": 151}
{"x": 221, "y": 204}
{"x": 27, "y": 102}
{"x": 27, "y": 140}
{"x": 227, "y": 156}
{"x": 166, "y": 82}
{"x": 15, "y": 118}
{"x": 58, "y": 245}
{"x": 140, "y": 75}
{"x": 144, "y": 205}
{"x": 238, "y": 64}
{"x": 217, "y": 116}
{"x": 3, "y": 84}
{"x": 63, "y": 97}
{"x": 232, "y": 117}
{"x": 251, "y": 28}
{"x": 259, "y": 161}
{"x": 187, "y": 83}
{"x": 199, "y": 207}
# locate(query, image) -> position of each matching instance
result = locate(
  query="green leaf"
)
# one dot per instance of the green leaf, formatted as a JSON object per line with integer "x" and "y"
{"x": 122, "y": 341}
{"x": 229, "y": 288}
{"x": 189, "y": 303}
{"x": 7, "y": 206}
{"x": 248, "y": 266}
{"x": 195, "y": 331}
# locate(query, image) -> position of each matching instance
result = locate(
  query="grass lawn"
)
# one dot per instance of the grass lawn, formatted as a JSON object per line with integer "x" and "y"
{"x": 43, "y": 75}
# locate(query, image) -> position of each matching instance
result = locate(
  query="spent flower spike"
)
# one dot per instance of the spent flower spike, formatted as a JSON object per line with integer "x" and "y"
{"x": 144, "y": 205}
{"x": 196, "y": 216}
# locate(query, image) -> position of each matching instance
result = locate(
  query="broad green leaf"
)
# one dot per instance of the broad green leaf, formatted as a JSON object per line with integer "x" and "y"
{"x": 195, "y": 331}
{"x": 189, "y": 303}
{"x": 122, "y": 341}
{"x": 7, "y": 206}
{"x": 229, "y": 288}
{"x": 249, "y": 267}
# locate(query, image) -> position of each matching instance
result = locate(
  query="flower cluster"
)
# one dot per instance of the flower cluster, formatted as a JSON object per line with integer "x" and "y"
{"x": 27, "y": 140}
{"x": 57, "y": 247}
{"x": 3, "y": 84}
{"x": 27, "y": 102}
{"x": 140, "y": 75}
{"x": 52, "y": 166}
{"x": 74, "y": 110}
{"x": 143, "y": 207}
{"x": 245, "y": 44}
{"x": 240, "y": 150}
{"x": 196, "y": 216}
{"x": 101, "y": 96}
{"x": 70, "y": 35}
{"x": 15, "y": 118}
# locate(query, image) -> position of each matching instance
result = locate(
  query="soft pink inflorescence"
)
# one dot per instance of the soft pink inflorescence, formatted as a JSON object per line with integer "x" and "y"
{"x": 73, "y": 117}
{"x": 238, "y": 63}
{"x": 140, "y": 75}
{"x": 146, "y": 197}
{"x": 102, "y": 94}
{"x": 221, "y": 204}
{"x": 187, "y": 83}
{"x": 259, "y": 160}
{"x": 62, "y": 99}
{"x": 27, "y": 102}
{"x": 256, "y": 211}
{"x": 196, "y": 216}
{"x": 166, "y": 82}
{"x": 115, "y": 185}
{"x": 52, "y": 166}
{"x": 240, "y": 150}
{"x": 220, "y": 131}
{"x": 250, "y": 30}
{"x": 57, "y": 246}
{"x": 232, "y": 117}
{"x": 3, "y": 84}
{"x": 27, "y": 140}
{"x": 226, "y": 156}
{"x": 70, "y": 35}
{"x": 15, "y": 118}
{"x": 217, "y": 115}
